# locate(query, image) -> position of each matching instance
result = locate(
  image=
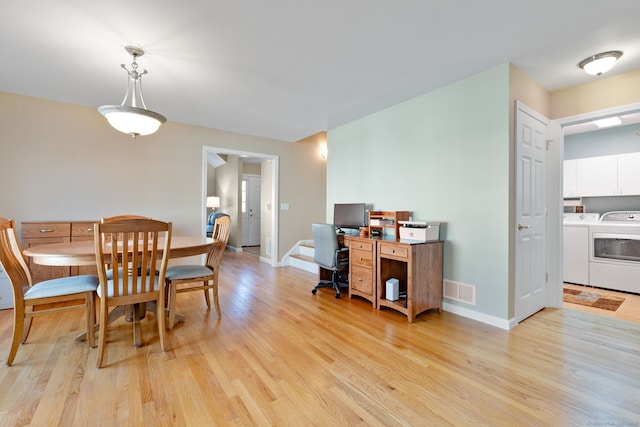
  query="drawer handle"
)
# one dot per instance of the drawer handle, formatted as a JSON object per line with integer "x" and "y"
{"x": 46, "y": 231}
{"x": 359, "y": 279}
{"x": 89, "y": 230}
{"x": 393, "y": 251}
{"x": 360, "y": 259}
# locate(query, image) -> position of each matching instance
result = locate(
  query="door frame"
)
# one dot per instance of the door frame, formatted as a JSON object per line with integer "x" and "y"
{"x": 273, "y": 252}
{"x": 555, "y": 195}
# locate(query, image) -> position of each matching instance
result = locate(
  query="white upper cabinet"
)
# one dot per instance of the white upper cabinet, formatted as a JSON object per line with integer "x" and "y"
{"x": 617, "y": 175}
{"x": 597, "y": 176}
{"x": 570, "y": 179}
{"x": 629, "y": 174}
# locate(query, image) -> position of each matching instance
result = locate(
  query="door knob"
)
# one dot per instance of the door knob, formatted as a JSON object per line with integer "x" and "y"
{"x": 523, "y": 227}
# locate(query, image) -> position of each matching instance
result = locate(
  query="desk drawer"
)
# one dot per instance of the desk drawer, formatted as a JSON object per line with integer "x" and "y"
{"x": 82, "y": 230}
{"x": 361, "y": 258}
{"x": 363, "y": 246}
{"x": 46, "y": 229}
{"x": 395, "y": 250}
{"x": 361, "y": 280}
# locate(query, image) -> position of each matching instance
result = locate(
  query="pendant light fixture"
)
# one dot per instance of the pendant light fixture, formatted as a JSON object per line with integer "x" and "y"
{"x": 600, "y": 63}
{"x": 132, "y": 117}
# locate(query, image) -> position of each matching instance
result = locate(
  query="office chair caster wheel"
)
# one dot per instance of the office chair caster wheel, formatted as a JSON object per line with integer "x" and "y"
{"x": 313, "y": 291}
{"x": 337, "y": 295}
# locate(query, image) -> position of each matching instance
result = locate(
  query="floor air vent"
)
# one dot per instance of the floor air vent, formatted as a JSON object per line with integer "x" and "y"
{"x": 459, "y": 292}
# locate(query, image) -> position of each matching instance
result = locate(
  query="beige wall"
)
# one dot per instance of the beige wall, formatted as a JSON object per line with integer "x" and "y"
{"x": 600, "y": 94}
{"x": 228, "y": 177}
{"x": 61, "y": 162}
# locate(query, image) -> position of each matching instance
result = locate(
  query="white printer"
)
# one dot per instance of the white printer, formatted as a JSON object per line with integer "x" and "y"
{"x": 422, "y": 231}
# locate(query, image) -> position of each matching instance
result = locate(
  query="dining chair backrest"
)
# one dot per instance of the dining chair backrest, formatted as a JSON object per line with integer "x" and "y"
{"x": 220, "y": 236}
{"x": 134, "y": 249}
{"x": 13, "y": 261}
{"x": 117, "y": 217}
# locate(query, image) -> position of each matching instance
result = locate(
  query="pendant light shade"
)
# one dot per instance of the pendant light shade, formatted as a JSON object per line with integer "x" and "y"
{"x": 132, "y": 117}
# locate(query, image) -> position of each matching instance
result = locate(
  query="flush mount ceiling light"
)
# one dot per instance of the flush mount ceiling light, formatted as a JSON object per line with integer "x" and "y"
{"x": 600, "y": 63}
{"x": 132, "y": 117}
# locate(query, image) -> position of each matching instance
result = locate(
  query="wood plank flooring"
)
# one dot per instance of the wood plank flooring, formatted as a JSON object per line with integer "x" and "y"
{"x": 282, "y": 356}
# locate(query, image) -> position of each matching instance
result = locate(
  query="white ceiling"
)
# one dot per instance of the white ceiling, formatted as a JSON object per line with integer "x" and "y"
{"x": 287, "y": 69}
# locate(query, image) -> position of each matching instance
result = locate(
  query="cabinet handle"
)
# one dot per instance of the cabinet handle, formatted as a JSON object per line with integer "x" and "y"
{"x": 360, "y": 259}
{"x": 46, "y": 231}
{"x": 393, "y": 251}
{"x": 89, "y": 230}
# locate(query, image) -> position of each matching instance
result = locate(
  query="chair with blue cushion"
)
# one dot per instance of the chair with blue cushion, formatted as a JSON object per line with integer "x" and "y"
{"x": 187, "y": 278}
{"x": 133, "y": 249}
{"x": 49, "y": 296}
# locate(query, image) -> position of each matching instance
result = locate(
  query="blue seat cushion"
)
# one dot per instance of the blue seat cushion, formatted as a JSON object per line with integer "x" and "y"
{"x": 62, "y": 286}
{"x": 179, "y": 272}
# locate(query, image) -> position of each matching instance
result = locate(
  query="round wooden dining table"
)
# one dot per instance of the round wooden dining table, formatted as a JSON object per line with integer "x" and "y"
{"x": 80, "y": 253}
{"x": 70, "y": 254}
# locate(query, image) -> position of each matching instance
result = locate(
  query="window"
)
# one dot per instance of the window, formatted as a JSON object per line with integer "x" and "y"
{"x": 244, "y": 196}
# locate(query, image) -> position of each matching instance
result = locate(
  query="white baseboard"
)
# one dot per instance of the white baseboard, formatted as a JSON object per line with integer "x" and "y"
{"x": 480, "y": 317}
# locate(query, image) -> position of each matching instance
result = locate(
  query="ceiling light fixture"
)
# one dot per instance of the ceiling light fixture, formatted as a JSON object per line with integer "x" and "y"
{"x": 600, "y": 63}
{"x": 132, "y": 117}
{"x": 608, "y": 122}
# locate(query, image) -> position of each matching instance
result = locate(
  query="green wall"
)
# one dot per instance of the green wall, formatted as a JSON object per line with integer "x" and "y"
{"x": 445, "y": 157}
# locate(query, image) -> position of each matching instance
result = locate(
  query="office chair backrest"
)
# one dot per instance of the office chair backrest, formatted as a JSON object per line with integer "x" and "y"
{"x": 326, "y": 244}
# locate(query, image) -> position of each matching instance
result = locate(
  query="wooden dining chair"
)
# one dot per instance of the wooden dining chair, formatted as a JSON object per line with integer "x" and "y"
{"x": 188, "y": 278}
{"x": 127, "y": 311}
{"x": 46, "y": 297}
{"x": 133, "y": 249}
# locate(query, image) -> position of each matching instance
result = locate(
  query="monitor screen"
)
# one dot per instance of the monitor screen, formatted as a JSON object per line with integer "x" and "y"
{"x": 349, "y": 215}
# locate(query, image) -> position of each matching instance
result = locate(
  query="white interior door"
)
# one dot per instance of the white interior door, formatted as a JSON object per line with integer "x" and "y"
{"x": 251, "y": 188}
{"x": 531, "y": 212}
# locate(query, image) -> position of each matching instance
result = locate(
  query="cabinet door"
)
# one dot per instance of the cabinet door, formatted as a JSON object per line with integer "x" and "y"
{"x": 570, "y": 179}
{"x": 597, "y": 176}
{"x": 629, "y": 174}
{"x": 576, "y": 254}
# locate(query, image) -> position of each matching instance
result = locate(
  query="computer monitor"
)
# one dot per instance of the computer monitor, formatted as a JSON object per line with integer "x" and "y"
{"x": 349, "y": 215}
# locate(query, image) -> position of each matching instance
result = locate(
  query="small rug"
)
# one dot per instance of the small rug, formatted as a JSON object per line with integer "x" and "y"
{"x": 592, "y": 299}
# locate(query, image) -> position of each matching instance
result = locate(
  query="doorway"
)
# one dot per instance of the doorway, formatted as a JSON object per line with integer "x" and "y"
{"x": 230, "y": 195}
{"x": 566, "y": 125}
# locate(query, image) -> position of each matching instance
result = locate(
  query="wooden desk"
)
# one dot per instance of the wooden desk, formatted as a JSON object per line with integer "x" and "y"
{"x": 417, "y": 265}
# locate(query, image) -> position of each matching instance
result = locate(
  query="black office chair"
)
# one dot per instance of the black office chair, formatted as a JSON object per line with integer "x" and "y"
{"x": 330, "y": 256}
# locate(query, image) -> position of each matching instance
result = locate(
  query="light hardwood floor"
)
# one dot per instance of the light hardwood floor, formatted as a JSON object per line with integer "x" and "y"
{"x": 282, "y": 356}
